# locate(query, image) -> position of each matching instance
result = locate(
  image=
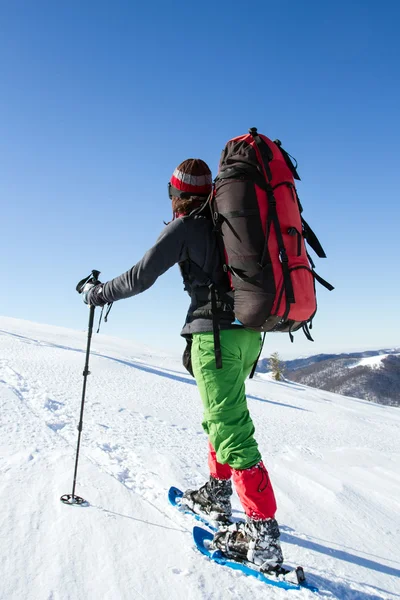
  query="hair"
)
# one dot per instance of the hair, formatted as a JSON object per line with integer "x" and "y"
{"x": 185, "y": 206}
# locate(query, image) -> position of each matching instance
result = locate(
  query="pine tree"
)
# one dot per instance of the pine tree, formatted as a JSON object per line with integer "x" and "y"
{"x": 276, "y": 366}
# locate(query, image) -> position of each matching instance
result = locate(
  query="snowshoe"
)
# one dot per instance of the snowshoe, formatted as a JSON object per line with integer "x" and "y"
{"x": 212, "y": 499}
{"x": 252, "y": 541}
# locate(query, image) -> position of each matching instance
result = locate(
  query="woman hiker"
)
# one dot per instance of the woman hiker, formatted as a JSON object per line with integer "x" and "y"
{"x": 233, "y": 453}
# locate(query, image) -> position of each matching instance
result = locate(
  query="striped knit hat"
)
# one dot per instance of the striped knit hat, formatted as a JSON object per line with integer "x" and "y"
{"x": 191, "y": 177}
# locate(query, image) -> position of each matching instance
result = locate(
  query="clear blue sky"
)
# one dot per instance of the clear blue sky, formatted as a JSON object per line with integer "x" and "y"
{"x": 99, "y": 101}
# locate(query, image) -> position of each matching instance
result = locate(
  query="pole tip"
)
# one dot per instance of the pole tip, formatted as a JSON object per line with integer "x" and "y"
{"x": 73, "y": 500}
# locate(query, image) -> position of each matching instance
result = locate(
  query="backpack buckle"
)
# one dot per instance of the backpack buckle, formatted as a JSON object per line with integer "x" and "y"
{"x": 283, "y": 257}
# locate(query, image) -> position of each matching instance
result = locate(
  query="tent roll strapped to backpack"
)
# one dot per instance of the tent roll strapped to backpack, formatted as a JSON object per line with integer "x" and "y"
{"x": 257, "y": 216}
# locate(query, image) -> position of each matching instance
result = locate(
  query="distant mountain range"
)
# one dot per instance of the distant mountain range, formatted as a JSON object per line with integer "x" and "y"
{"x": 371, "y": 375}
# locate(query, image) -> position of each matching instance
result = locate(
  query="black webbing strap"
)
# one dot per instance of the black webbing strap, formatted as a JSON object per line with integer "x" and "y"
{"x": 265, "y": 151}
{"x": 237, "y": 171}
{"x": 310, "y": 260}
{"x": 288, "y": 183}
{"x": 215, "y": 323}
{"x": 254, "y": 279}
{"x": 258, "y": 357}
{"x": 267, "y": 155}
{"x": 312, "y": 239}
{"x": 109, "y": 307}
{"x": 247, "y": 212}
{"x": 320, "y": 280}
{"x": 267, "y": 232}
{"x": 206, "y": 280}
{"x": 287, "y": 157}
{"x": 217, "y": 230}
{"x": 326, "y": 285}
{"x": 273, "y": 216}
{"x": 101, "y": 316}
{"x": 307, "y": 332}
{"x": 292, "y": 231}
{"x": 298, "y": 201}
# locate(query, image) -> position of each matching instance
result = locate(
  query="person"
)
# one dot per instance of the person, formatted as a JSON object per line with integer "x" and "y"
{"x": 233, "y": 452}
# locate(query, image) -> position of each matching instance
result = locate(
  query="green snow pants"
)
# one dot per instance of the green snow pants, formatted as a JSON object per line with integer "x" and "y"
{"x": 227, "y": 421}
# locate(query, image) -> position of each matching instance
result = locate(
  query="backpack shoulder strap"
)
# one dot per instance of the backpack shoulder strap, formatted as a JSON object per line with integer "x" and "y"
{"x": 206, "y": 280}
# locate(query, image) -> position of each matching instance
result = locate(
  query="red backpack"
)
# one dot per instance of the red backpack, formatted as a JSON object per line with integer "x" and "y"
{"x": 257, "y": 212}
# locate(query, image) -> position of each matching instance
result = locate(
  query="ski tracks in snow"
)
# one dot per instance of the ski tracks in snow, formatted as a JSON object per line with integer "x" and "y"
{"x": 41, "y": 404}
{"x": 125, "y": 444}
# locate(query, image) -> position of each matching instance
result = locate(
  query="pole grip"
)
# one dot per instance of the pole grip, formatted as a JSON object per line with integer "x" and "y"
{"x": 92, "y": 278}
{"x": 95, "y": 275}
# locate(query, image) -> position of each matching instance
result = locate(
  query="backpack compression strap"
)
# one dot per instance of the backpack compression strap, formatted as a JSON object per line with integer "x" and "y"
{"x": 265, "y": 153}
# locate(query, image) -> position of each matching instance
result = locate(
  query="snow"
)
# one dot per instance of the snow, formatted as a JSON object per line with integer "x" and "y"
{"x": 334, "y": 462}
{"x": 374, "y": 362}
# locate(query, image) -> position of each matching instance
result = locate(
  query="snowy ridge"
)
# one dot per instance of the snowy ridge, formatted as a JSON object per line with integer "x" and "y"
{"x": 373, "y": 376}
{"x": 374, "y": 362}
{"x": 334, "y": 462}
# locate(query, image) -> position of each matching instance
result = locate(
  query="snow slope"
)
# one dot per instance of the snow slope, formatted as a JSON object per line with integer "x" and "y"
{"x": 334, "y": 462}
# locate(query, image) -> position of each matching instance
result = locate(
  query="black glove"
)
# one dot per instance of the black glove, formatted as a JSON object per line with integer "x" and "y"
{"x": 93, "y": 294}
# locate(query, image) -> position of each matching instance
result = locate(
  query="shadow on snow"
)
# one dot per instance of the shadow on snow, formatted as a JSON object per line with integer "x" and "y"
{"x": 167, "y": 373}
{"x": 339, "y": 554}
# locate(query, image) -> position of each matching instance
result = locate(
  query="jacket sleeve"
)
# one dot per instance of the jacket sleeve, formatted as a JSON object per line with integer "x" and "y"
{"x": 169, "y": 249}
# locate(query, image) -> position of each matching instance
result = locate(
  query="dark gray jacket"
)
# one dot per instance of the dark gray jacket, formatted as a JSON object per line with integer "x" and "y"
{"x": 190, "y": 242}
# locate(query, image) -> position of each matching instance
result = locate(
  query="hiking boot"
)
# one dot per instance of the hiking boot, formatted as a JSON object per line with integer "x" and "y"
{"x": 256, "y": 542}
{"x": 212, "y": 499}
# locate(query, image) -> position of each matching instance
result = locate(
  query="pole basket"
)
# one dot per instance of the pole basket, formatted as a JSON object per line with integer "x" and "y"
{"x": 73, "y": 500}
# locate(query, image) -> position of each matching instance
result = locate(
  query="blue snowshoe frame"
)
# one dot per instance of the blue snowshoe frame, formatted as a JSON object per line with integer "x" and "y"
{"x": 201, "y": 536}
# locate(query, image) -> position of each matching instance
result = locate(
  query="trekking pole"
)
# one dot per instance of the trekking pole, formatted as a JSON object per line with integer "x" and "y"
{"x": 93, "y": 278}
